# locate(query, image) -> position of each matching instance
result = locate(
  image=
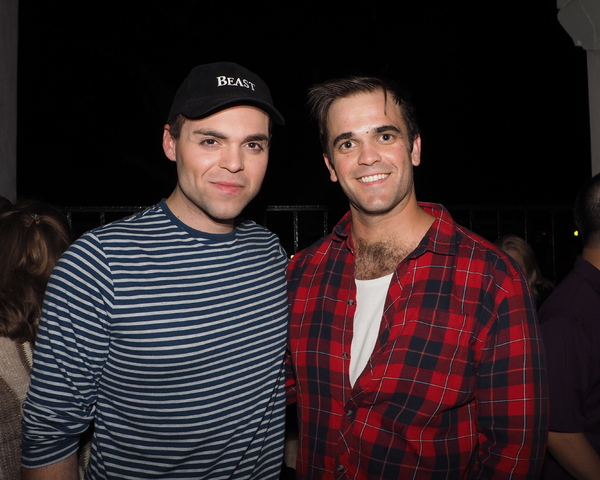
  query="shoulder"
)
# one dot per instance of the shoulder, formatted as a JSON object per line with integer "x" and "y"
{"x": 93, "y": 252}
{"x": 484, "y": 251}
{"x": 249, "y": 228}
{"x": 251, "y": 232}
{"x": 574, "y": 299}
{"x": 477, "y": 255}
{"x": 569, "y": 316}
{"x": 471, "y": 251}
{"x": 149, "y": 230}
{"x": 315, "y": 253}
{"x": 151, "y": 218}
{"x": 258, "y": 245}
{"x": 330, "y": 245}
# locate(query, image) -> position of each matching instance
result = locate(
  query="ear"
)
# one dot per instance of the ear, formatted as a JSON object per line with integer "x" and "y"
{"x": 330, "y": 167}
{"x": 415, "y": 155}
{"x": 169, "y": 144}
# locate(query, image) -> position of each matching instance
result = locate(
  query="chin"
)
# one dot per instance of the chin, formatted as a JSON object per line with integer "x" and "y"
{"x": 226, "y": 216}
{"x": 375, "y": 209}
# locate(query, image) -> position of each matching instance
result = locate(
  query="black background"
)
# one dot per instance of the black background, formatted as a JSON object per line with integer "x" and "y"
{"x": 500, "y": 90}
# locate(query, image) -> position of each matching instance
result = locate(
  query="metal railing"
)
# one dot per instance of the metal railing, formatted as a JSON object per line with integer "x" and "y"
{"x": 303, "y": 219}
{"x": 549, "y": 229}
{"x": 288, "y": 221}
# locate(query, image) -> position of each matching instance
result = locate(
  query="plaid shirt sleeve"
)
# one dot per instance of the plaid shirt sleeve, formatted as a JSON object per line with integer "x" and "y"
{"x": 455, "y": 387}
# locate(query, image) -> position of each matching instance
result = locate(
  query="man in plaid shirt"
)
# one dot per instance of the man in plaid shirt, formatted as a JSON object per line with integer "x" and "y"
{"x": 414, "y": 346}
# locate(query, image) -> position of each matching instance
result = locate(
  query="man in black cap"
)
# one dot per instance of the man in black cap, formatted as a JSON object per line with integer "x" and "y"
{"x": 166, "y": 330}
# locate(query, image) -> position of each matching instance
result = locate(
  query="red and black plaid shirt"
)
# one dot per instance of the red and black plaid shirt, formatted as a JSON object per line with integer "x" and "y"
{"x": 456, "y": 385}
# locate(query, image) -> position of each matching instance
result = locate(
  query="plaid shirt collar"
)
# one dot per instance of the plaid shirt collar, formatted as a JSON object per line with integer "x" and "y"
{"x": 440, "y": 239}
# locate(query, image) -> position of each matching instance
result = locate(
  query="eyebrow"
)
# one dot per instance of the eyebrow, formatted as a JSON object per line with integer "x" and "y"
{"x": 388, "y": 128}
{"x": 256, "y": 137}
{"x": 208, "y": 133}
{"x": 381, "y": 129}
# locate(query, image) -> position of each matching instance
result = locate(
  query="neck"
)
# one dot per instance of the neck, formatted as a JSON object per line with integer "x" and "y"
{"x": 591, "y": 255}
{"x": 382, "y": 242}
{"x": 402, "y": 228}
{"x": 193, "y": 216}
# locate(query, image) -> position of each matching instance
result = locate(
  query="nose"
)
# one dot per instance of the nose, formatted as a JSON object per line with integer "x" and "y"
{"x": 369, "y": 154}
{"x": 232, "y": 160}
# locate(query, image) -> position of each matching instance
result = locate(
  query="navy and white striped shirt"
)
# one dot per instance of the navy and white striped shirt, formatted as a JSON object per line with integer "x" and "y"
{"x": 171, "y": 341}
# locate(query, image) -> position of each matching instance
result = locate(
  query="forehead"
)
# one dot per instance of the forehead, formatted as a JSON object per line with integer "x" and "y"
{"x": 364, "y": 110}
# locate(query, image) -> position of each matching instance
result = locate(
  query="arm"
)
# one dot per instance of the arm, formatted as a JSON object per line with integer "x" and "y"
{"x": 512, "y": 391}
{"x": 70, "y": 348}
{"x": 66, "y": 469}
{"x": 575, "y": 454}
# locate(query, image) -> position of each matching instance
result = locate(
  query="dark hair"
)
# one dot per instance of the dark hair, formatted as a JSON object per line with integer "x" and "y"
{"x": 33, "y": 236}
{"x": 587, "y": 211}
{"x": 321, "y": 96}
{"x": 175, "y": 125}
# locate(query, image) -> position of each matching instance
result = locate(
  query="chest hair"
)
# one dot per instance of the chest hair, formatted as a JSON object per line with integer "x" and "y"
{"x": 374, "y": 260}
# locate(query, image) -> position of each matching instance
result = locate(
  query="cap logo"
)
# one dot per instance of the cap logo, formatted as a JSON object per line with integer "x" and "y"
{"x": 200, "y": 94}
{"x": 223, "y": 81}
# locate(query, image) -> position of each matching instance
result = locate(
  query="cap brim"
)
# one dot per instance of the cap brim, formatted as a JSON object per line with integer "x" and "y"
{"x": 192, "y": 111}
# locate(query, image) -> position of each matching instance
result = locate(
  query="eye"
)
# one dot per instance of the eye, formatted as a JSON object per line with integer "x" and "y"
{"x": 386, "y": 137}
{"x": 255, "y": 146}
{"x": 208, "y": 141}
{"x": 346, "y": 145}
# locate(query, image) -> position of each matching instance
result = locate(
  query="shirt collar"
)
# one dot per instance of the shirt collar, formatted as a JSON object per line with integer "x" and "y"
{"x": 441, "y": 237}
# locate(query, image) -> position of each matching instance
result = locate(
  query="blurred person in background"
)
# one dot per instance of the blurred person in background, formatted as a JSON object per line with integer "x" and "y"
{"x": 519, "y": 249}
{"x": 570, "y": 323}
{"x": 33, "y": 236}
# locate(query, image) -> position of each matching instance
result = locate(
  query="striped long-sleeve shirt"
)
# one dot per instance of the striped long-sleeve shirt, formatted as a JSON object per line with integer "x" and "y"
{"x": 171, "y": 342}
{"x": 455, "y": 387}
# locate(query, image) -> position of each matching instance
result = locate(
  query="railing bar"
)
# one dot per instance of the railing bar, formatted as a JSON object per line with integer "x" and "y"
{"x": 498, "y": 223}
{"x": 296, "y": 232}
{"x": 474, "y": 212}
{"x": 553, "y": 243}
{"x": 69, "y": 216}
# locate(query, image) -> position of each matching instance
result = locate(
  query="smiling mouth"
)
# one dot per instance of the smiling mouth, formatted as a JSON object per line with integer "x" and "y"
{"x": 373, "y": 178}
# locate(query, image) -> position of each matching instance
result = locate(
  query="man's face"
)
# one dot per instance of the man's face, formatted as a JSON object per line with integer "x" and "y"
{"x": 221, "y": 162}
{"x": 370, "y": 153}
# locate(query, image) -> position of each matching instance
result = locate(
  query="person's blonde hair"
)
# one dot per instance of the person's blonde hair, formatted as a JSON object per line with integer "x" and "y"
{"x": 33, "y": 236}
{"x": 533, "y": 274}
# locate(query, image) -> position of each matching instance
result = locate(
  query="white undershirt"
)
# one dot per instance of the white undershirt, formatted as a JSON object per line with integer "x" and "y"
{"x": 370, "y": 297}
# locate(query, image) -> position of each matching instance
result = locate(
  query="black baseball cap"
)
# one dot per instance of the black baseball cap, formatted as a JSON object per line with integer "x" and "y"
{"x": 215, "y": 86}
